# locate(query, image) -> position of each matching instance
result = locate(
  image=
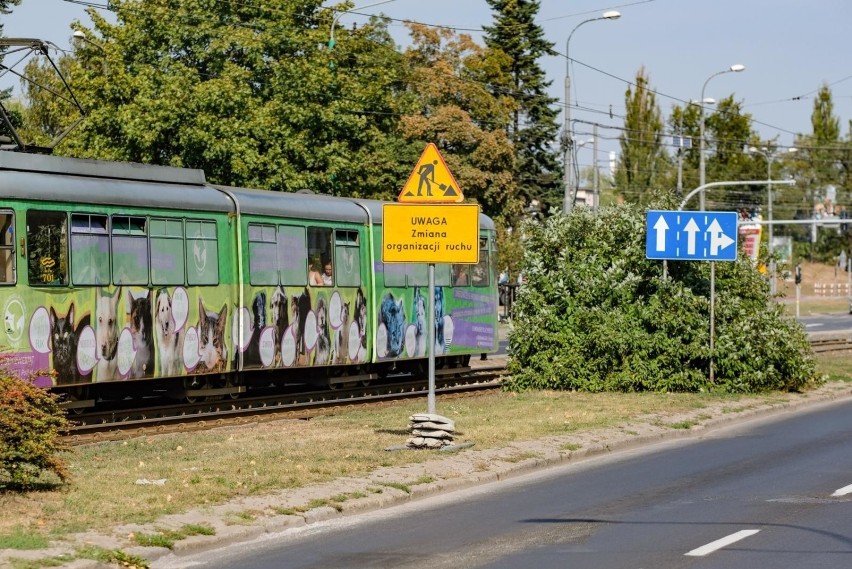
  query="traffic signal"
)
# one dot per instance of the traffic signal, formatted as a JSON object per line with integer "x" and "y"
{"x": 798, "y": 274}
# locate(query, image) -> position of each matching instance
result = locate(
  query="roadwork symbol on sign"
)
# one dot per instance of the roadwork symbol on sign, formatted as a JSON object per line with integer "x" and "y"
{"x": 431, "y": 181}
{"x": 691, "y": 235}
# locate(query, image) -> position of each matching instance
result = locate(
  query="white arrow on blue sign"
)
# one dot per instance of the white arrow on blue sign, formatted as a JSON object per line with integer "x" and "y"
{"x": 691, "y": 235}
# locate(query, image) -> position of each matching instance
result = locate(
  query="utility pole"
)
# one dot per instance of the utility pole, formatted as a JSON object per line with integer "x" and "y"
{"x": 596, "y": 192}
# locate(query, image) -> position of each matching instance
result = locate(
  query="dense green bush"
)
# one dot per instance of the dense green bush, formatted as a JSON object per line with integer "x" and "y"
{"x": 595, "y": 315}
{"x": 31, "y": 424}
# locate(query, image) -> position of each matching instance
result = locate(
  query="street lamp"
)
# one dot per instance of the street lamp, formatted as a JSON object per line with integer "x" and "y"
{"x": 80, "y": 35}
{"x": 736, "y": 68}
{"x": 568, "y": 200}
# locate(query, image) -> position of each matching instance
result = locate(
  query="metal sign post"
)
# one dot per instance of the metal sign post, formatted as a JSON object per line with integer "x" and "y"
{"x": 693, "y": 236}
{"x": 430, "y": 338}
{"x": 712, "y": 315}
{"x": 430, "y": 225}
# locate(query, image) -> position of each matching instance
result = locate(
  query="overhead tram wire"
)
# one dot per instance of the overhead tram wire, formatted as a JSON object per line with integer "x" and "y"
{"x": 656, "y": 92}
{"x": 258, "y": 27}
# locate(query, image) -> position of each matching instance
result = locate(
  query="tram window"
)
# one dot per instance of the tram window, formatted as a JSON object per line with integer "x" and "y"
{"x": 7, "y": 248}
{"x": 89, "y": 249}
{"x": 263, "y": 255}
{"x": 442, "y": 275}
{"x": 319, "y": 254}
{"x": 418, "y": 274}
{"x": 395, "y": 274}
{"x": 47, "y": 247}
{"x": 461, "y": 275}
{"x": 202, "y": 252}
{"x": 292, "y": 255}
{"x": 129, "y": 250}
{"x": 347, "y": 258}
{"x": 167, "y": 252}
{"x": 481, "y": 271}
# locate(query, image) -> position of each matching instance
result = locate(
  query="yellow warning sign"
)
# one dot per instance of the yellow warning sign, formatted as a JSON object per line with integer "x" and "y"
{"x": 431, "y": 181}
{"x": 413, "y": 233}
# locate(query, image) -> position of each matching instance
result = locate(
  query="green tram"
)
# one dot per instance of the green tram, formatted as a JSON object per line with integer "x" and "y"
{"x": 118, "y": 280}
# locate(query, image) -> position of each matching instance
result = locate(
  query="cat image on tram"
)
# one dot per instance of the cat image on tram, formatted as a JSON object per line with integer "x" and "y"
{"x": 211, "y": 338}
{"x": 140, "y": 321}
{"x": 64, "y": 336}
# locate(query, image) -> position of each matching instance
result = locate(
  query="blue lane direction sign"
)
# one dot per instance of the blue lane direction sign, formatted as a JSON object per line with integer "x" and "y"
{"x": 691, "y": 235}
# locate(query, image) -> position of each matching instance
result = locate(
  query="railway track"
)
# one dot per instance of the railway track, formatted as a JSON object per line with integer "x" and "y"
{"x": 162, "y": 417}
{"x": 823, "y": 345}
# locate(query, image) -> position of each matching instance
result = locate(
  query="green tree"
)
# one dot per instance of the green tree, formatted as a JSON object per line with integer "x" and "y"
{"x": 452, "y": 105}
{"x": 50, "y": 109}
{"x": 820, "y": 163}
{"x": 728, "y": 131}
{"x": 533, "y": 127}
{"x": 252, "y": 96}
{"x": 248, "y": 93}
{"x": 643, "y": 162}
{"x": 823, "y": 148}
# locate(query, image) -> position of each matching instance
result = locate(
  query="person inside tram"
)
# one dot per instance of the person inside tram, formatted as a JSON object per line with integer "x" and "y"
{"x": 460, "y": 276}
{"x": 327, "y": 274}
{"x": 314, "y": 276}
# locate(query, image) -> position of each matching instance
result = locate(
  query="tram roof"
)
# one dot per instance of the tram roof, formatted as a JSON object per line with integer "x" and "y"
{"x": 298, "y": 205}
{"x": 100, "y": 182}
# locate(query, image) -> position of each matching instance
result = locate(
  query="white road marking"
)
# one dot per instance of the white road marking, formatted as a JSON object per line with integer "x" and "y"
{"x": 843, "y": 491}
{"x": 813, "y": 325}
{"x": 720, "y": 543}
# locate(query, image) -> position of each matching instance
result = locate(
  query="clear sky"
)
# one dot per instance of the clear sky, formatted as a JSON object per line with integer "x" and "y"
{"x": 789, "y": 47}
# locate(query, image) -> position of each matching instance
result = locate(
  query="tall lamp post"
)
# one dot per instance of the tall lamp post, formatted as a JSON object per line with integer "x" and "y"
{"x": 80, "y": 35}
{"x": 568, "y": 199}
{"x": 736, "y": 68}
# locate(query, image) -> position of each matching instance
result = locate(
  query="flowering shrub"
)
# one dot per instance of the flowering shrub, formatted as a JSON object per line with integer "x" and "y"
{"x": 595, "y": 315}
{"x": 31, "y": 424}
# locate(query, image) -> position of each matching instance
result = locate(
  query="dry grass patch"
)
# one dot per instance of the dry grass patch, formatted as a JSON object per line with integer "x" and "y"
{"x": 212, "y": 467}
{"x": 815, "y": 305}
{"x": 835, "y": 366}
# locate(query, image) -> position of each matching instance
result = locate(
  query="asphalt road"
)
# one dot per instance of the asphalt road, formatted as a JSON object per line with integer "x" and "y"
{"x": 827, "y": 323}
{"x": 753, "y": 496}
